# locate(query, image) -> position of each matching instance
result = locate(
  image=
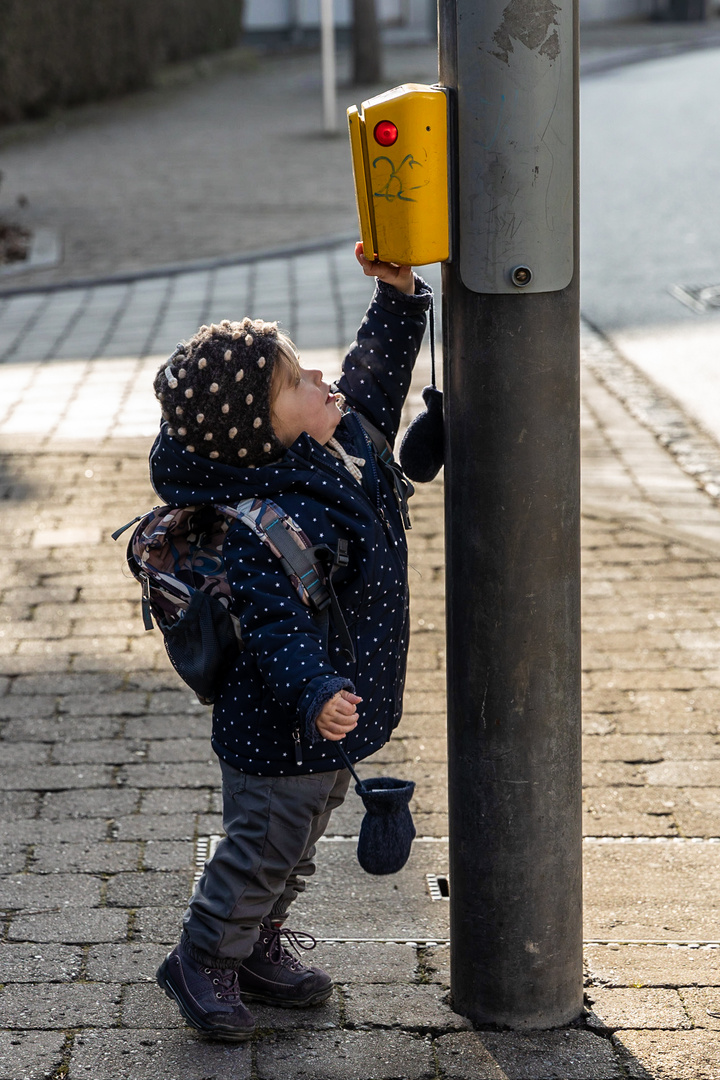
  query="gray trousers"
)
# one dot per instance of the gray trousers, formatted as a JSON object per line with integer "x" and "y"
{"x": 272, "y": 824}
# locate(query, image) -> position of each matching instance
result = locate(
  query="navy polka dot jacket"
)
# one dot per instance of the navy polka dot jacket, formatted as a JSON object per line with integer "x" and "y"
{"x": 288, "y": 668}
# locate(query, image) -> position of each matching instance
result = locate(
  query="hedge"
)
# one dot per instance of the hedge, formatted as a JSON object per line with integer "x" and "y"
{"x": 63, "y": 52}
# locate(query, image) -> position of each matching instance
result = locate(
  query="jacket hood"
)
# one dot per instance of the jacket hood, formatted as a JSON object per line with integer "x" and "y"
{"x": 182, "y": 478}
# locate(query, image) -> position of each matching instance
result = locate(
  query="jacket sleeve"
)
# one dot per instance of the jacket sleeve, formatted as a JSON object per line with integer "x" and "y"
{"x": 378, "y": 367}
{"x": 285, "y": 638}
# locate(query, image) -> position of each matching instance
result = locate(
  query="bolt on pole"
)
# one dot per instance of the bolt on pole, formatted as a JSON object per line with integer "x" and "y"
{"x": 511, "y": 384}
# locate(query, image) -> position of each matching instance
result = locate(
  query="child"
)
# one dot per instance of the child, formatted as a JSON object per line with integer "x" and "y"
{"x": 243, "y": 419}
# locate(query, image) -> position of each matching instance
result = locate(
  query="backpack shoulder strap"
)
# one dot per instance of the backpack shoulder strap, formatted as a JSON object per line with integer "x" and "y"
{"x": 310, "y": 567}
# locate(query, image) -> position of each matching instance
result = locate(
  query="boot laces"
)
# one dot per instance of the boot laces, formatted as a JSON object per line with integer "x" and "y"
{"x": 225, "y": 983}
{"x": 278, "y": 953}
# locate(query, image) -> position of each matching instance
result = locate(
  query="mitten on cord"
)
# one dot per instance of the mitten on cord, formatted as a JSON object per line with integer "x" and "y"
{"x": 422, "y": 450}
{"x": 387, "y": 830}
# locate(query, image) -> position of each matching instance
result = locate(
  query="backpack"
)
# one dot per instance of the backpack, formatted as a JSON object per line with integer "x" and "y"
{"x": 175, "y": 552}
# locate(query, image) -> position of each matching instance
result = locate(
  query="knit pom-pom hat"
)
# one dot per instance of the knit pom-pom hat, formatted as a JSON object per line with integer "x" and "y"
{"x": 215, "y": 392}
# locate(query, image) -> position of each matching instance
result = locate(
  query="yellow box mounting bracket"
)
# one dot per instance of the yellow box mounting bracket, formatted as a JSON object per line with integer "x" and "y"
{"x": 399, "y": 151}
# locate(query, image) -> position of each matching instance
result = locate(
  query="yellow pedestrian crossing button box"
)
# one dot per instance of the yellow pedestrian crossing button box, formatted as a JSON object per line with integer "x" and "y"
{"x": 400, "y": 165}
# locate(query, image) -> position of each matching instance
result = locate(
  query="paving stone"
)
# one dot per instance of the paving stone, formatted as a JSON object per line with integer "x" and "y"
{"x": 71, "y": 926}
{"x": 685, "y": 774}
{"x": 12, "y": 859}
{"x": 103, "y": 802}
{"x": 549, "y": 1055}
{"x": 55, "y": 777}
{"x": 167, "y": 750}
{"x": 149, "y": 826}
{"x": 325, "y": 1018}
{"x": 149, "y": 889}
{"x": 29, "y": 831}
{"x": 25, "y": 753}
{"x": 639, "y": 891}
{"x": 51, "y": 728}
{"x": 346, "y": 1055}
{"x": 669, "y": 1055}
{"x": 175, "y": 775}
{"x": 120, "y": 703}
{"x": 702, "y": 1006}
{"x": 653, "y": 965}
{"x": 102, "y": 751}
{"x": 156, "y": 924}
{"x": 412, "y": 1008}
{"x": 437, "y": 964}
{"x": 163, "y": 727}
{"x": 54, "y": 684}
{"x": 636, "y": 811}
{"x": 156, "y": 681}
{"x": 131, "y": 962}
{"x": 169, "y": 855}
{"x": 207, "y": 824}
{"x": 697, "y": 812}
{"x": 630, "y": 748}
{"x": 30, "y": 708}
{"x": 26, "y": 963}
{"x": 32, "y": 1055}
{"x": 106, "y": 857}
{"x": 465, "y": 1055}
{"x": 166, "y": 801}
{"x": 178, "y": 702}
{"x": 16, "y": 804}
{"x": 612, "y": 773}
{"x": 23, "y": 891}
{"x": 156, "y": 1054}
{"x": 59, "y": 1005}
{"x": 636, "y": 1008}
{"x": 144, "y": 1000}
{"x": 366, "y": 962}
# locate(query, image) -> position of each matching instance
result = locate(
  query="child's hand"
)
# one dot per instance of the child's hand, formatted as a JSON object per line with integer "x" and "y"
{"x": 401, "y": 277}
{"x": 338, "y": 716}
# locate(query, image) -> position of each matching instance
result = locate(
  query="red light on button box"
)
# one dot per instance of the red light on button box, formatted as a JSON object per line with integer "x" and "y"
{"x": 385, "y": 133}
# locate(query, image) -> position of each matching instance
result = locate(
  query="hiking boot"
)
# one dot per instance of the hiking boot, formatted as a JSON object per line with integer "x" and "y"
{"x": 209, "y": 998}
{"x": 273, "y": 976}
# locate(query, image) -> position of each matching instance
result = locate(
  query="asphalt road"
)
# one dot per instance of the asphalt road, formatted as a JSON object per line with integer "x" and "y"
{"x": 650, "y": 222}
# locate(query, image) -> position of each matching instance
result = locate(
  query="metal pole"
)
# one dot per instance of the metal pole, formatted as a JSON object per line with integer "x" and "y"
{"x": 327, "y": 29}
{"x": 511, "y": 343}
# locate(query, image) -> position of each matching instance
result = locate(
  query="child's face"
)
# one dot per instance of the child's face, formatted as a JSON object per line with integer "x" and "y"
{"x": 305, "y": 405}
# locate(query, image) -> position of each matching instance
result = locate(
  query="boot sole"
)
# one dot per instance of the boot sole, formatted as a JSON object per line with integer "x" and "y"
{"x": 268, "y": 999}
{"x": 224, "y": 1034}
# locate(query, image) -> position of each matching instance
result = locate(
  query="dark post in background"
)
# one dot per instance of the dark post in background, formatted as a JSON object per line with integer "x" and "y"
{"x": 511, "y": 341}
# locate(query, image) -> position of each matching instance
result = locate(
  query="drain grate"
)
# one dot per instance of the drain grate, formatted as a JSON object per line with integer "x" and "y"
{"x": 699, "y": 298}
{"x": 204, "y": 850}
{"x": 438, "y": 887}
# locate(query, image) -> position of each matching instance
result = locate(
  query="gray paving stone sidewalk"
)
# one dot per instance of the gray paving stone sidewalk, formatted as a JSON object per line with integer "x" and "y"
{"x": 108, "y": 789}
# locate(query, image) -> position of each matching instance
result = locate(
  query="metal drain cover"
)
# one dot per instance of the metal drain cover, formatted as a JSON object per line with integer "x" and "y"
{"x": 438, "y": 886}
{"x": 204, "y": 850}
{"x": 699, "y": 298}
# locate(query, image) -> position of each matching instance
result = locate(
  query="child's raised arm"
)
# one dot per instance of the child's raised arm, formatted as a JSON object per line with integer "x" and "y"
{"x": 378, "y": 367}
